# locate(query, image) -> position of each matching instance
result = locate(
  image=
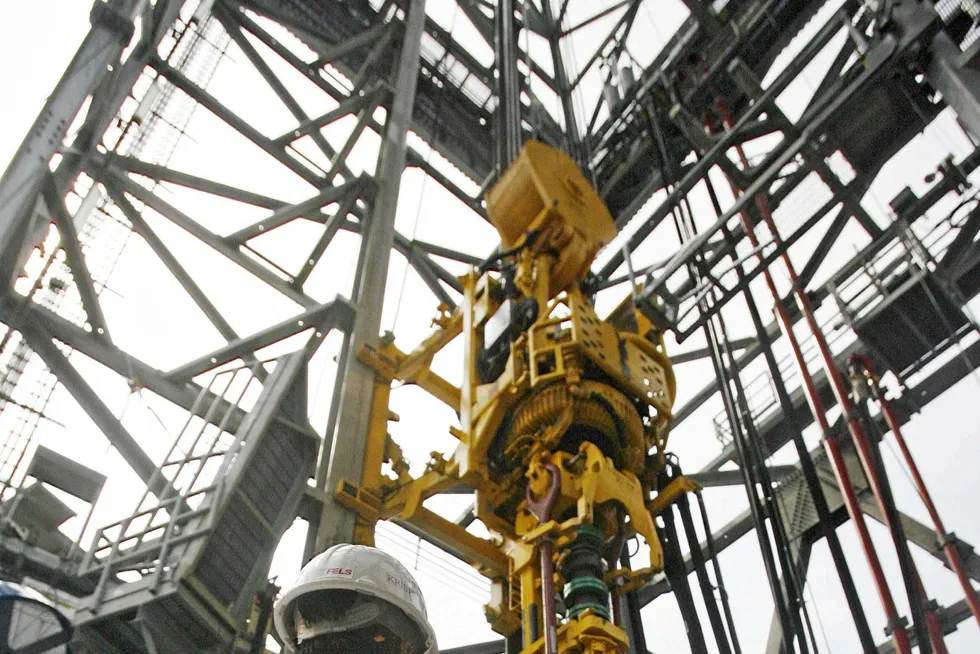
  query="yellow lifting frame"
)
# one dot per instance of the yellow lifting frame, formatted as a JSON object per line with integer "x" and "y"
{"x": 544, "y": 202}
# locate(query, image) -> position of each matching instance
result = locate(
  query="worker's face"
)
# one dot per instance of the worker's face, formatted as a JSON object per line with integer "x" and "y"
{"x": 375, "y": 627}
{"x": 357, "y": 642}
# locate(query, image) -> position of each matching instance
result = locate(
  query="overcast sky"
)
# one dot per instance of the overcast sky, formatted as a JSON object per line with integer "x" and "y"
{"x": 38, "y": 38}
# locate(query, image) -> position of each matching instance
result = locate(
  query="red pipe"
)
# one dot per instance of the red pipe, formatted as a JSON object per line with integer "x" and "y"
{"x": 864, "y": 387}
{"x": 933, "y": 625}
{"x": 949, "y": 547}
{"x": 861, "y": 442}
{"x": 617, "y": 619}
{"x": 548, "y": 596}
{"x": 541, "y": 508}
{"x": 899, "y": 633}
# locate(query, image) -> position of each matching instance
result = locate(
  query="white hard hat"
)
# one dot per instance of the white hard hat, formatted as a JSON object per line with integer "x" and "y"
{"x": 354, "y": 588}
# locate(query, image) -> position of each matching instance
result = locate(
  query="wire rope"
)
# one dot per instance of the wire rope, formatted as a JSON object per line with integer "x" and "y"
{"x": 450, "y": 575}
{"x": 903, "y": 468}
{"x": 408, "y": 262}
{"x": 425, "y": 177}
{"x": 820, "y": 624}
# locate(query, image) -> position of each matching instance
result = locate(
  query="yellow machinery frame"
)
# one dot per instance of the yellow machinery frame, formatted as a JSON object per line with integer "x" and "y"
{"x": 565, "y": 368}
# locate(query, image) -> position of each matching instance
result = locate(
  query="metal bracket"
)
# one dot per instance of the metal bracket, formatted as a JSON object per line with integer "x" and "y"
{"x": 899, "y": 622}
{"x": 677, "y": 487}
{"x": 363, "y": 502}
{"x": 105, "y": 15}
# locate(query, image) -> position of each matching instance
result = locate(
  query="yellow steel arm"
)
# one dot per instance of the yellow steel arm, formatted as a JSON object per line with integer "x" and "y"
{"x": 393, "y": 364}
{"x": 669, "y": 495}
{"x": 450, "y": 326}
{"x": 405, "y": 505}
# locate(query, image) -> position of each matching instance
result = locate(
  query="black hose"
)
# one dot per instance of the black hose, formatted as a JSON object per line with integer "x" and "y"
{"x": 488, "y": 263}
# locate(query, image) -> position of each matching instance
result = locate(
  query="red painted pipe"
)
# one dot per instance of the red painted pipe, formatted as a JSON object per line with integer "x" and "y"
{"x": 899, "y": 633}
{"x": 864, "y": 382}
{"x": 541, "y": 508}
{"x": 548, "y": 596}
{"x": 949, "y": 548}
{"x": 933, "y": 625}
{"x": 860, "y": 438}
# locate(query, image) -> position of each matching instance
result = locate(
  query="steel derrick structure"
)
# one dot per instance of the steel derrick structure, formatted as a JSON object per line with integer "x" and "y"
{"x": 664, "y": 135}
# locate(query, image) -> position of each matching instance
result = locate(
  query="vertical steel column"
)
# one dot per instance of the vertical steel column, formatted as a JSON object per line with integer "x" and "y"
{"x": 700, "y": 570}
{"x": 573, "y": 141}
{"x": 751, "y": 486}
{"x": 677, "y": 576}
{"x": 747, "y": 469}
{"x": 346, "y": 458}
{"x": 922, "y": 608}
{"x": 508, "y": 87}
{"x": 709, "y": 541}
{"x": 895, "y": 624}
{"x": 755, "y": 474}
{"x": 753, "y": 461}
{"x": 800, "y": 556}
{"x": 336, "y": 398}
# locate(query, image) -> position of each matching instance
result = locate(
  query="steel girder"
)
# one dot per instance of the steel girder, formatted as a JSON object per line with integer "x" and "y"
{"x": 620, "y": 151}
{"x": 126, "y": 185}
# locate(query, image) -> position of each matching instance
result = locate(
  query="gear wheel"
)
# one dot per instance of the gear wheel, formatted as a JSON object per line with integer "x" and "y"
{"x": 601, "y": 414}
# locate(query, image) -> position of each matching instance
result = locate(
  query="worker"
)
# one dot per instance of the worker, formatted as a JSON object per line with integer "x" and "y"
{"x": 354, "y": 599}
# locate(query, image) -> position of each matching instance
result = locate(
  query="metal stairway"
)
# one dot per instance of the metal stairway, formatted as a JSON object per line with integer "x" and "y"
{"x": 181, "y": 574}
